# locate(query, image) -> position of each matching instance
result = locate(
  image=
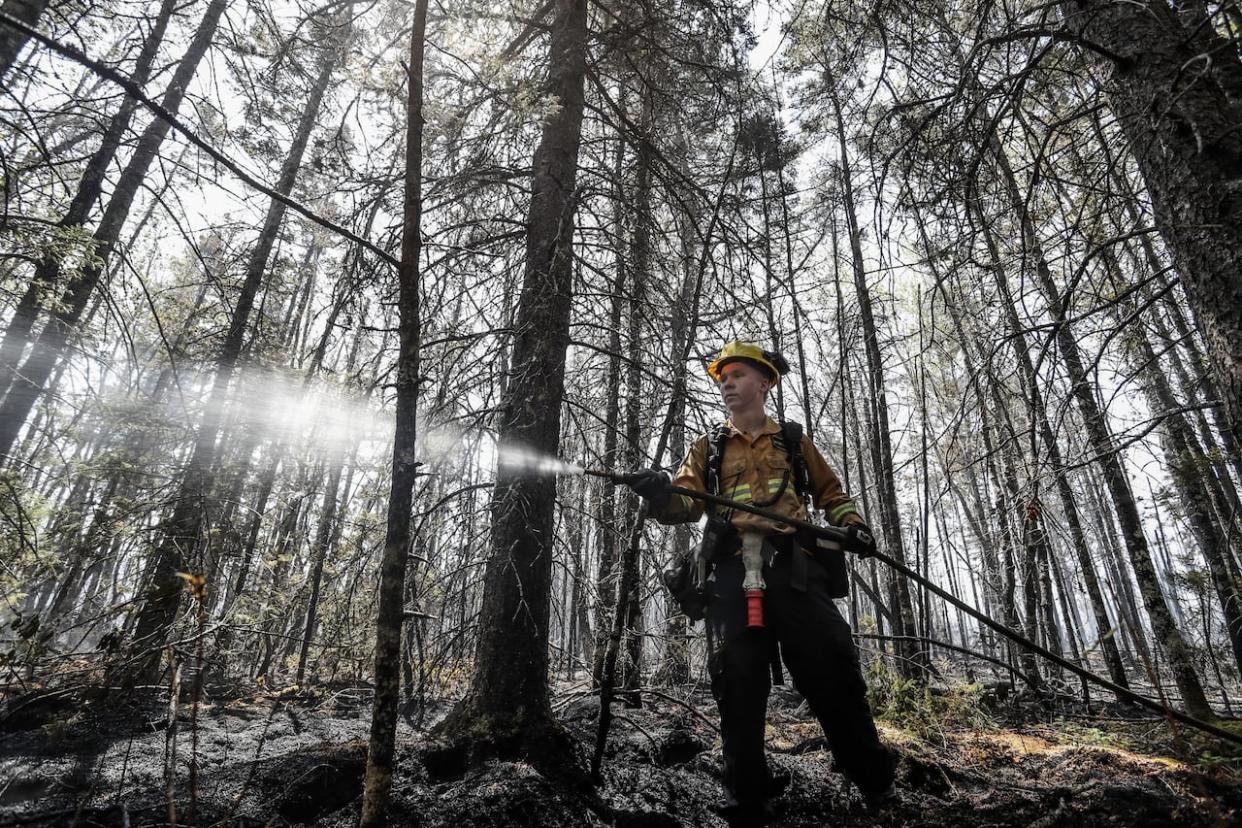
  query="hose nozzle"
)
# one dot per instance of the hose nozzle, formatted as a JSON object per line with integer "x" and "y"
{"x": 615, "y": 478}
{"x": 753, "y": 585}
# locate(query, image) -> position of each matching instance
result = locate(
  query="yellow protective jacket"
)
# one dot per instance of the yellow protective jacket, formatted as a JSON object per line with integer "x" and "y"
{"x": 751, "y": 470}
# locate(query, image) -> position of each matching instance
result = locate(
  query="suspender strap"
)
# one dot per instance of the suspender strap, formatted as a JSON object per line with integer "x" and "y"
{"x": 715, "y": 460}
{"x": 791, "y": 436}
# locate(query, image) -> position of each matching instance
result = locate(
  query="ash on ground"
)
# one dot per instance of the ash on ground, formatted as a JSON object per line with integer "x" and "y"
{"x": 298, "y": 758}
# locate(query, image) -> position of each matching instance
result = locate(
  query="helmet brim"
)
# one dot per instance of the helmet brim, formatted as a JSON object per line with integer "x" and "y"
{"x": 767, "y": 368}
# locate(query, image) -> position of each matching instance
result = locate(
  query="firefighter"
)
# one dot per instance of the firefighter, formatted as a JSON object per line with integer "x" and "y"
{"x": 761, "y": 570}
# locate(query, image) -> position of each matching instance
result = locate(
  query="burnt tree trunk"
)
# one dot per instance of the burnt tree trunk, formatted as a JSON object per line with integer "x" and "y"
{"x": 914, "y": 658}
{"x": 579, "y": 642}
{"x": 507, "y": 707}
{"x": 319, "y": 553}
{"x": 1170, "y": 638}
{"x": 635, "y": 456}
{"x": 47, "y": 271}
{"x": 1118, "y": 577}
{"x": 997, "y": 578}
{"x": 1204, "y": 382}
{"x": 1185, "y": 130}
{"x": 250, "y": 537}
{"x": 12, "y": 40}
{"x": 1191, "y": 474}
{"x": 607, "y": 531}
{"x": 1065, "y": 493}
{"x": 389, "y": 618}
{"x": 675, "y": 667}
{"x": 1185, "y": 459}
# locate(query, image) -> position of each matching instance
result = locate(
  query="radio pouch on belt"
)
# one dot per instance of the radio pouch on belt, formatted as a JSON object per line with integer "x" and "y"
{"x": 683, "y": 583}
{"x": 832, "y": 557}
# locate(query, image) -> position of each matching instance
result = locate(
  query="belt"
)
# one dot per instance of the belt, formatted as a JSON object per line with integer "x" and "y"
{"x": 778, "y": 542}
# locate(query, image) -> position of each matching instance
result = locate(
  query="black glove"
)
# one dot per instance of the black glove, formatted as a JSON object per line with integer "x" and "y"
{"x": 860, "y": 540}
{"x": 652, "y": 485}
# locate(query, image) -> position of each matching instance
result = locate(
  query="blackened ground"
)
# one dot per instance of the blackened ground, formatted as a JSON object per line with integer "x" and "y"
{"x": 298, "y": 759}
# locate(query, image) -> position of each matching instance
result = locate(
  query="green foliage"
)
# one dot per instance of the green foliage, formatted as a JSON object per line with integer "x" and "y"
{"x": 1219, "y": 755}
{"x": 1096, "y": 737}
{"x": 21, "y": 513}
{"x": 925, "y": 711}
{"x": 1212, "y": 761}
{"x": 29, "y": 643}
{"x": 72, "y": 247}
{"x": 1197, "y": 749}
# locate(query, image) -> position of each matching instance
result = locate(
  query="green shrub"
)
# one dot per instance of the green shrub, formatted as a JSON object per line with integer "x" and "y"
{"x": 925, "y": 711}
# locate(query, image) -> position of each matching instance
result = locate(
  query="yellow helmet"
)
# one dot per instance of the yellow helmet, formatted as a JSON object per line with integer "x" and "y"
{"x": 770, "y": 362}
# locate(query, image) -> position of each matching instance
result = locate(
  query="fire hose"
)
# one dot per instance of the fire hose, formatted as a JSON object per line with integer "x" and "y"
{"x": 838, "y": 535}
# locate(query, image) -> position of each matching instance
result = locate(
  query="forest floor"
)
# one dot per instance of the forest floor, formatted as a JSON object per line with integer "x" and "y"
{"x": 297, "y": 757}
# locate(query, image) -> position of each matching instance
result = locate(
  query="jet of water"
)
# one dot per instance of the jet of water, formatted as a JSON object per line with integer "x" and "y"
{"x": 532, "y": 462}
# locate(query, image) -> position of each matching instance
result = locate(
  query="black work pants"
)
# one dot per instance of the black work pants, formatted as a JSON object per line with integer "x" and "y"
{"x": 818, "y": 650}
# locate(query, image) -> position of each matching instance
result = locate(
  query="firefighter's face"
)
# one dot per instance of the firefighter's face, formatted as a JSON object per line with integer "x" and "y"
{"x": 743, "y": 385}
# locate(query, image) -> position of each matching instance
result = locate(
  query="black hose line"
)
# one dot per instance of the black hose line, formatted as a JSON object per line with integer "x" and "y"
{"x": 833, "y": 533}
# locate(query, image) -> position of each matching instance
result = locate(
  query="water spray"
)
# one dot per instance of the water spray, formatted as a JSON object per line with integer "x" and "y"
{"x": 533, "y": 462}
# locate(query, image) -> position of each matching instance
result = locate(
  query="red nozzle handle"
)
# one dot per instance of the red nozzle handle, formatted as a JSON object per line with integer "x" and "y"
{"x": 754, "y": 607}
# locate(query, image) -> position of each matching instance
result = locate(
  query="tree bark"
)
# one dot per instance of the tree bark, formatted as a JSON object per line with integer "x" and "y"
{"x": 1184, "y": 457}
{"x": 1171, "y": 640}
{"x": 377, "y": 782}
{"x": 507, "y": 707}
{"x": 675, "y": 667}
{"x": 1167, "y": 633}
{"x": 579, "y": 641}
{"x": 1185, "y": 130}
{"x": 11, "y": 40}
{"x": 250, "y": 541}
{"x": 1205, "y": 384}
{"x": 608, "y": 532}
{"x": 319, "y": 553}
{"x": 998, "y": 579}
{"x": 635, "y": 456}
{"x": 1191, "y": 474}
{"x": 914, "y": 658}
{"x": 1118, "y": 575}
